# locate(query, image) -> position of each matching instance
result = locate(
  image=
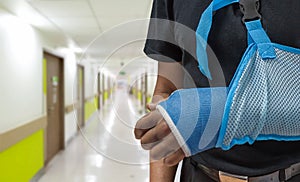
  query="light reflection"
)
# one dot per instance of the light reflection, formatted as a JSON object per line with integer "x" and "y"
{"x": 110, "y": 121}
{"x": 90, "y": 178}
{"x": 96, "y": 160}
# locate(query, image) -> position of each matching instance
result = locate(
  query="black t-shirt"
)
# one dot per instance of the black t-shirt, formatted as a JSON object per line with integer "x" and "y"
{"x": 228, "y": 40}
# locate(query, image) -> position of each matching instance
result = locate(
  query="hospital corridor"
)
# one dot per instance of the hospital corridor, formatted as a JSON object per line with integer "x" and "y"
{"x": 74, "y": 81}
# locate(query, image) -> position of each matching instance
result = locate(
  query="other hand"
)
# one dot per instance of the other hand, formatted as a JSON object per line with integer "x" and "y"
{"x": 156, "y": 136}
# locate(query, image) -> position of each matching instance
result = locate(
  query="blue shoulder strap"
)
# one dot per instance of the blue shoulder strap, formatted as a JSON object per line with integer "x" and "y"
{"x": 256, "y": 34}
{"x": 203, "y": 30}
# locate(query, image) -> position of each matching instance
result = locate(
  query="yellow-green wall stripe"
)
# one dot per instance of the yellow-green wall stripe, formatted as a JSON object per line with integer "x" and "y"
{"x": 139, "y": 95}
{"x": 105, "y": 95}
{"x": 149, "y": 98}
{"x": 96, "y": 101}
{"x": 90, "y": 107}
{"x": 22, "y": 161}
{"x": 133, "y": 91}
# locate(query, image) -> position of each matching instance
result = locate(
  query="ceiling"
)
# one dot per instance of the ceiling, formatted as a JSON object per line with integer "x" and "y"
{"x": 101, "y": 28}
{"x": 84, "y": 20}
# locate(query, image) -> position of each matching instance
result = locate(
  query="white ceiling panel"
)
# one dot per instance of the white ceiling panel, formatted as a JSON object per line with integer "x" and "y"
{"x": 86, "y": 40}
{"x": 75, "y": 21}
{"x": 108, "y": 23}
{"x": 114, "y": 12}
{"x": 84, "y": 32}
{"x": 128, "y": 8}
{"x": 63, "y": 8}
{"x": 77, "y": 26}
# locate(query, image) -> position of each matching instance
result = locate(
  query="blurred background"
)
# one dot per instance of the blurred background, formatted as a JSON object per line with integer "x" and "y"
{"x": 74, "y": 81}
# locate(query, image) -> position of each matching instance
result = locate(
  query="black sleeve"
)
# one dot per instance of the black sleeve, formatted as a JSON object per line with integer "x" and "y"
{"x": 160, "y": 44}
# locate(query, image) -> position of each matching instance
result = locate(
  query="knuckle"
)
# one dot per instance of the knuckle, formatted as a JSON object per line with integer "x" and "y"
{"x": 138, "y": 133}
{"x": 143, "y": 142}
{"x": 138, "y": 124}
{"x": 165, "y": 127}
{"x": 145, "y": 145}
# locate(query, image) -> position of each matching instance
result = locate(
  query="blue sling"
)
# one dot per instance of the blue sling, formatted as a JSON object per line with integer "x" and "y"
{"x": 261, "y": 103}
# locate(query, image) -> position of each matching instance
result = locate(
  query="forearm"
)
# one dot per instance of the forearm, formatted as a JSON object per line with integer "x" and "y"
{"x": 159, "y": 172}
{"x": 169, "y": 79}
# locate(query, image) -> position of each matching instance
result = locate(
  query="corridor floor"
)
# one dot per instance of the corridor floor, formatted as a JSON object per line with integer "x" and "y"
{"x": 105, "y": 150}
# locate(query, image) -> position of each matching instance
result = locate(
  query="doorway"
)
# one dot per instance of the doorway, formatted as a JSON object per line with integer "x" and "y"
{"x": 55, "y": 106}
{"x": 80, "y": 96}
{"x": 99, "y": 91}
{"x": 103, "y": 89}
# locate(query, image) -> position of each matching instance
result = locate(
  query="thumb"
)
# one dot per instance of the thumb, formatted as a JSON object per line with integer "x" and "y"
{"x": 151, "y": 106}
{"x": 156, "y": 99}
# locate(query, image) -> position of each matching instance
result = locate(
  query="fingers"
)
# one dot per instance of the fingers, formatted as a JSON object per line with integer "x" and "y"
{"x": 155, "y": 135}
{"x": 174, "y": 158}
{"x": 166, "y": 147}
{"x": 146, "y": 123}
{"x": 169, "y": 151}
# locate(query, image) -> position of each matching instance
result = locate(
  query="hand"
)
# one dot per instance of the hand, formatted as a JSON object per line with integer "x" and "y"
{"x": 156, "y": 136}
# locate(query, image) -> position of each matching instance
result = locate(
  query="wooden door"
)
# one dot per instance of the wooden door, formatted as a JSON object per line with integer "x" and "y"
{"x": 55, "y": 106}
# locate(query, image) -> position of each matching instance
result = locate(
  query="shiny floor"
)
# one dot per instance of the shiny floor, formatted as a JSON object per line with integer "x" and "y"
{"x": 105, "y": 150}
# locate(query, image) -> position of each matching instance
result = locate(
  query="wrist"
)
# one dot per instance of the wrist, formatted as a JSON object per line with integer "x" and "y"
{"x": 159, "y": 172}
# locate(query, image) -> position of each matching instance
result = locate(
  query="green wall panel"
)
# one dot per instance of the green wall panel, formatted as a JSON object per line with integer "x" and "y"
{"x": 149, "y": 98}
{"x": 105, "y": 95}
{"x": 90, "y": 107}
{"x": 139, "y": 95}
{"x": 22, "y": 161}
{"x": 96, "y": 101}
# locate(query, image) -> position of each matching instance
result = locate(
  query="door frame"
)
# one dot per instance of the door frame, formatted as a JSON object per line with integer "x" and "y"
{"x": 145, "y": 92}
{"x": 83, "y": 97}
{"x": 103, "y": 88}
{"x": 99, "y": 92}
{"x": 62, "y": 109}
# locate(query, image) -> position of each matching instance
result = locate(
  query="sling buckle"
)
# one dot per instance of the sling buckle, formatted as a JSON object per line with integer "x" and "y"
{"x": 250, "y": 8}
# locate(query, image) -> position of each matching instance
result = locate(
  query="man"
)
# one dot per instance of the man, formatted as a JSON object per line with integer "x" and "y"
{"x": 280, "y": 19}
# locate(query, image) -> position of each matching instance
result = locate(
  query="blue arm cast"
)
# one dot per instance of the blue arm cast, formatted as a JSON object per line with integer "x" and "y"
{"x": 194, "y": 117}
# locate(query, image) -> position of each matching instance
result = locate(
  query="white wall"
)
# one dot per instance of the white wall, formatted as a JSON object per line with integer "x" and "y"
{"x": 90, "y": 77}
{"x": 70, "y": 126}
{"x": 20, "y": 72}
{"x": 152, "y": 76}
{"x": 70, "y": 67}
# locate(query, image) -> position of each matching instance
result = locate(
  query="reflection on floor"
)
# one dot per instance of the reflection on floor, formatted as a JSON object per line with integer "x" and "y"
{"x": 105, "y": 150}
